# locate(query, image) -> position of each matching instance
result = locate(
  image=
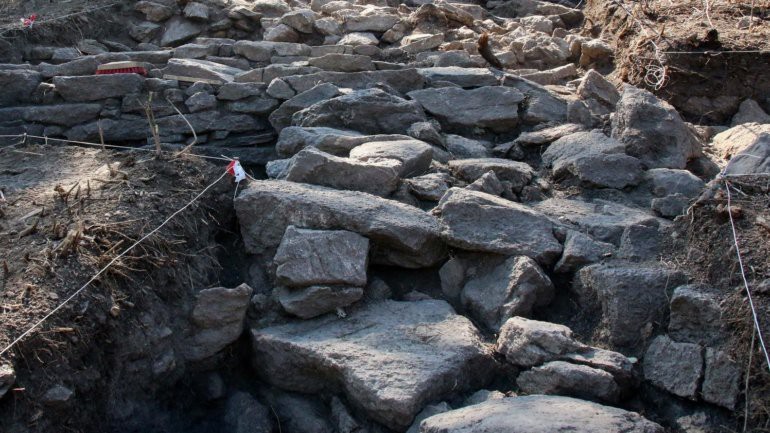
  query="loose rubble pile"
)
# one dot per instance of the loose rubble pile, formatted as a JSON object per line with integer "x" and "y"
{"x": 393, "y": 148}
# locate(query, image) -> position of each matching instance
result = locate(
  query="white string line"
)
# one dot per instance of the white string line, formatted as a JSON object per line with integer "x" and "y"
{"x": 656, "y": 76}
{"x": 77, "y": 292}
{"x": 743, "y": 275}
{"x": 113, "y": 146}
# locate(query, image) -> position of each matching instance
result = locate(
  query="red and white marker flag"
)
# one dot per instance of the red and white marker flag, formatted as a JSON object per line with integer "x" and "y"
{"x": 27, "y": 22}
{"x": 236, "y": 170}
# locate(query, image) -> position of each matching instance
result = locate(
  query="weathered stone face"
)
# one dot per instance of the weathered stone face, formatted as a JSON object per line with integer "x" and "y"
{"x": 389, "y": 358}
{"x": 539, "y": 414}
{"x": 401, "y": 234}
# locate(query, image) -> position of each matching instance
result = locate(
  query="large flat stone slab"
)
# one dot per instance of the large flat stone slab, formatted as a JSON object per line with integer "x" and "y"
{"x": 389, "y": 358}
{"x": 203, "y": 69}
{"x": 539, "y": 414}
{"x": 476, "y": 221}
{"x": 96, "y": 87}
{"x": 495, "y": 108}
{"x": 402, "y": 235}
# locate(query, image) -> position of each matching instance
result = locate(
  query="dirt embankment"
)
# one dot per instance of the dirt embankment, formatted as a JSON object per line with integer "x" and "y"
{"x": 705, "y": 58}
{"x": 67, "y": 212}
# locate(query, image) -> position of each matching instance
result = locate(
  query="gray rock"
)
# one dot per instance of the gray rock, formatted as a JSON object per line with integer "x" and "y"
{"x": 300, "y": 20}
{"x": 370, "y": 111}
{"x": 595, "y": 86}
{"x": 580, "y": 250}
{"x": 631, "y": 297}
{"x": 511, "y": 289}
{"x": 218, "y": 318}
{"x": 7, "y": 378}
{"x": 379, "y": 176}
{"x": 429, "y": 411}
{"x": 314, "y": 301}
{"x": 245, "y": 414}
{"x": 539, "y": 414}
{"x": 401, "y": 234}
{"x": 490, "y": 184}
{"x": 62, "y": 114}
{"x": 721, "y": 381}
{"x": 155, "y": 12}
{"x": 201, "y": 101}
{"x": 674, "y": 367}
{"x": 621, "y": 368}
{"x": 470, "y": 108}
{"x": 213, "y": 120}
{"x": 430, "y": 186}
{"x": 355, "y": 39}
{"x": 730, "y": 142}
{"x": 312, "y": 257}
{"x": 93, "y": 88}
{"x": 564, "y": 378}
{"x": 418, "y": 42}
{"x": 236, "y": 91}
{"x": 594, "y": 159}
{"x": 461, "y": 76}
{"x": 664, "y": 182}
{"x": 260, "y": 105}
{"x": 653, "y": 131}
{"x": 542, "y": 106}
{"x": 342, "y": 62}
{"x": 57, "y": 396}
{"x": 517, "y": 173}
{"x": 402, "y": 80}
{"x": 750, "y": 112}
{"x": 263, "y": 51}
{"x": 425, "y": 131}
{"x": 375, "y": 359}
{"x": 178, "y": 31}
{"x": 83, "y": 66}
{"x": 201, "y": 69}
{"x": 91, "y": 47}
{"x": 281, "y": 118}
{"x": 481, "y": 396}
{"x": 374, "y": 21}
{"x": 195, "y": 51}
{"x": 754, "y": 158}
{"x": 415, "y": 156}
{"x": 196, "y": 11}
{"x": 269, "y": 73}
{"x": 476, "y": 221}
{"x": 595, "y": 51}
{"x": 696, "y": 316}
{"x": 603, "y": 220}
{"x": 270, "y": 8}
{"x": 279, "y": 89}
{"x": 547, "y": 135}
{"x": 640, "y": 242}
{"x": 281, "y": 33}
{"x": 126, "y": 128}
{"x": 335, "y": 141}
{"x": 460, "y": 147}
{"x": 670, "y": 206}
{"x": 144, "y": 32}
{"x": 527, "y": 343}
{"x": 328, "y": 27}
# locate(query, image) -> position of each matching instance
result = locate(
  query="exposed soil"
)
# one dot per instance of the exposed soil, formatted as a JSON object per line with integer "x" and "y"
{"x": 705, "y": 247}
{"x": 69, "y": 211}
{"x": 699, "y": 56}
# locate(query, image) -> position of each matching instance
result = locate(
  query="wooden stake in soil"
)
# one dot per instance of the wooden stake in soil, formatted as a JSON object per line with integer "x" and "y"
{"x": 153, "y": 124}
